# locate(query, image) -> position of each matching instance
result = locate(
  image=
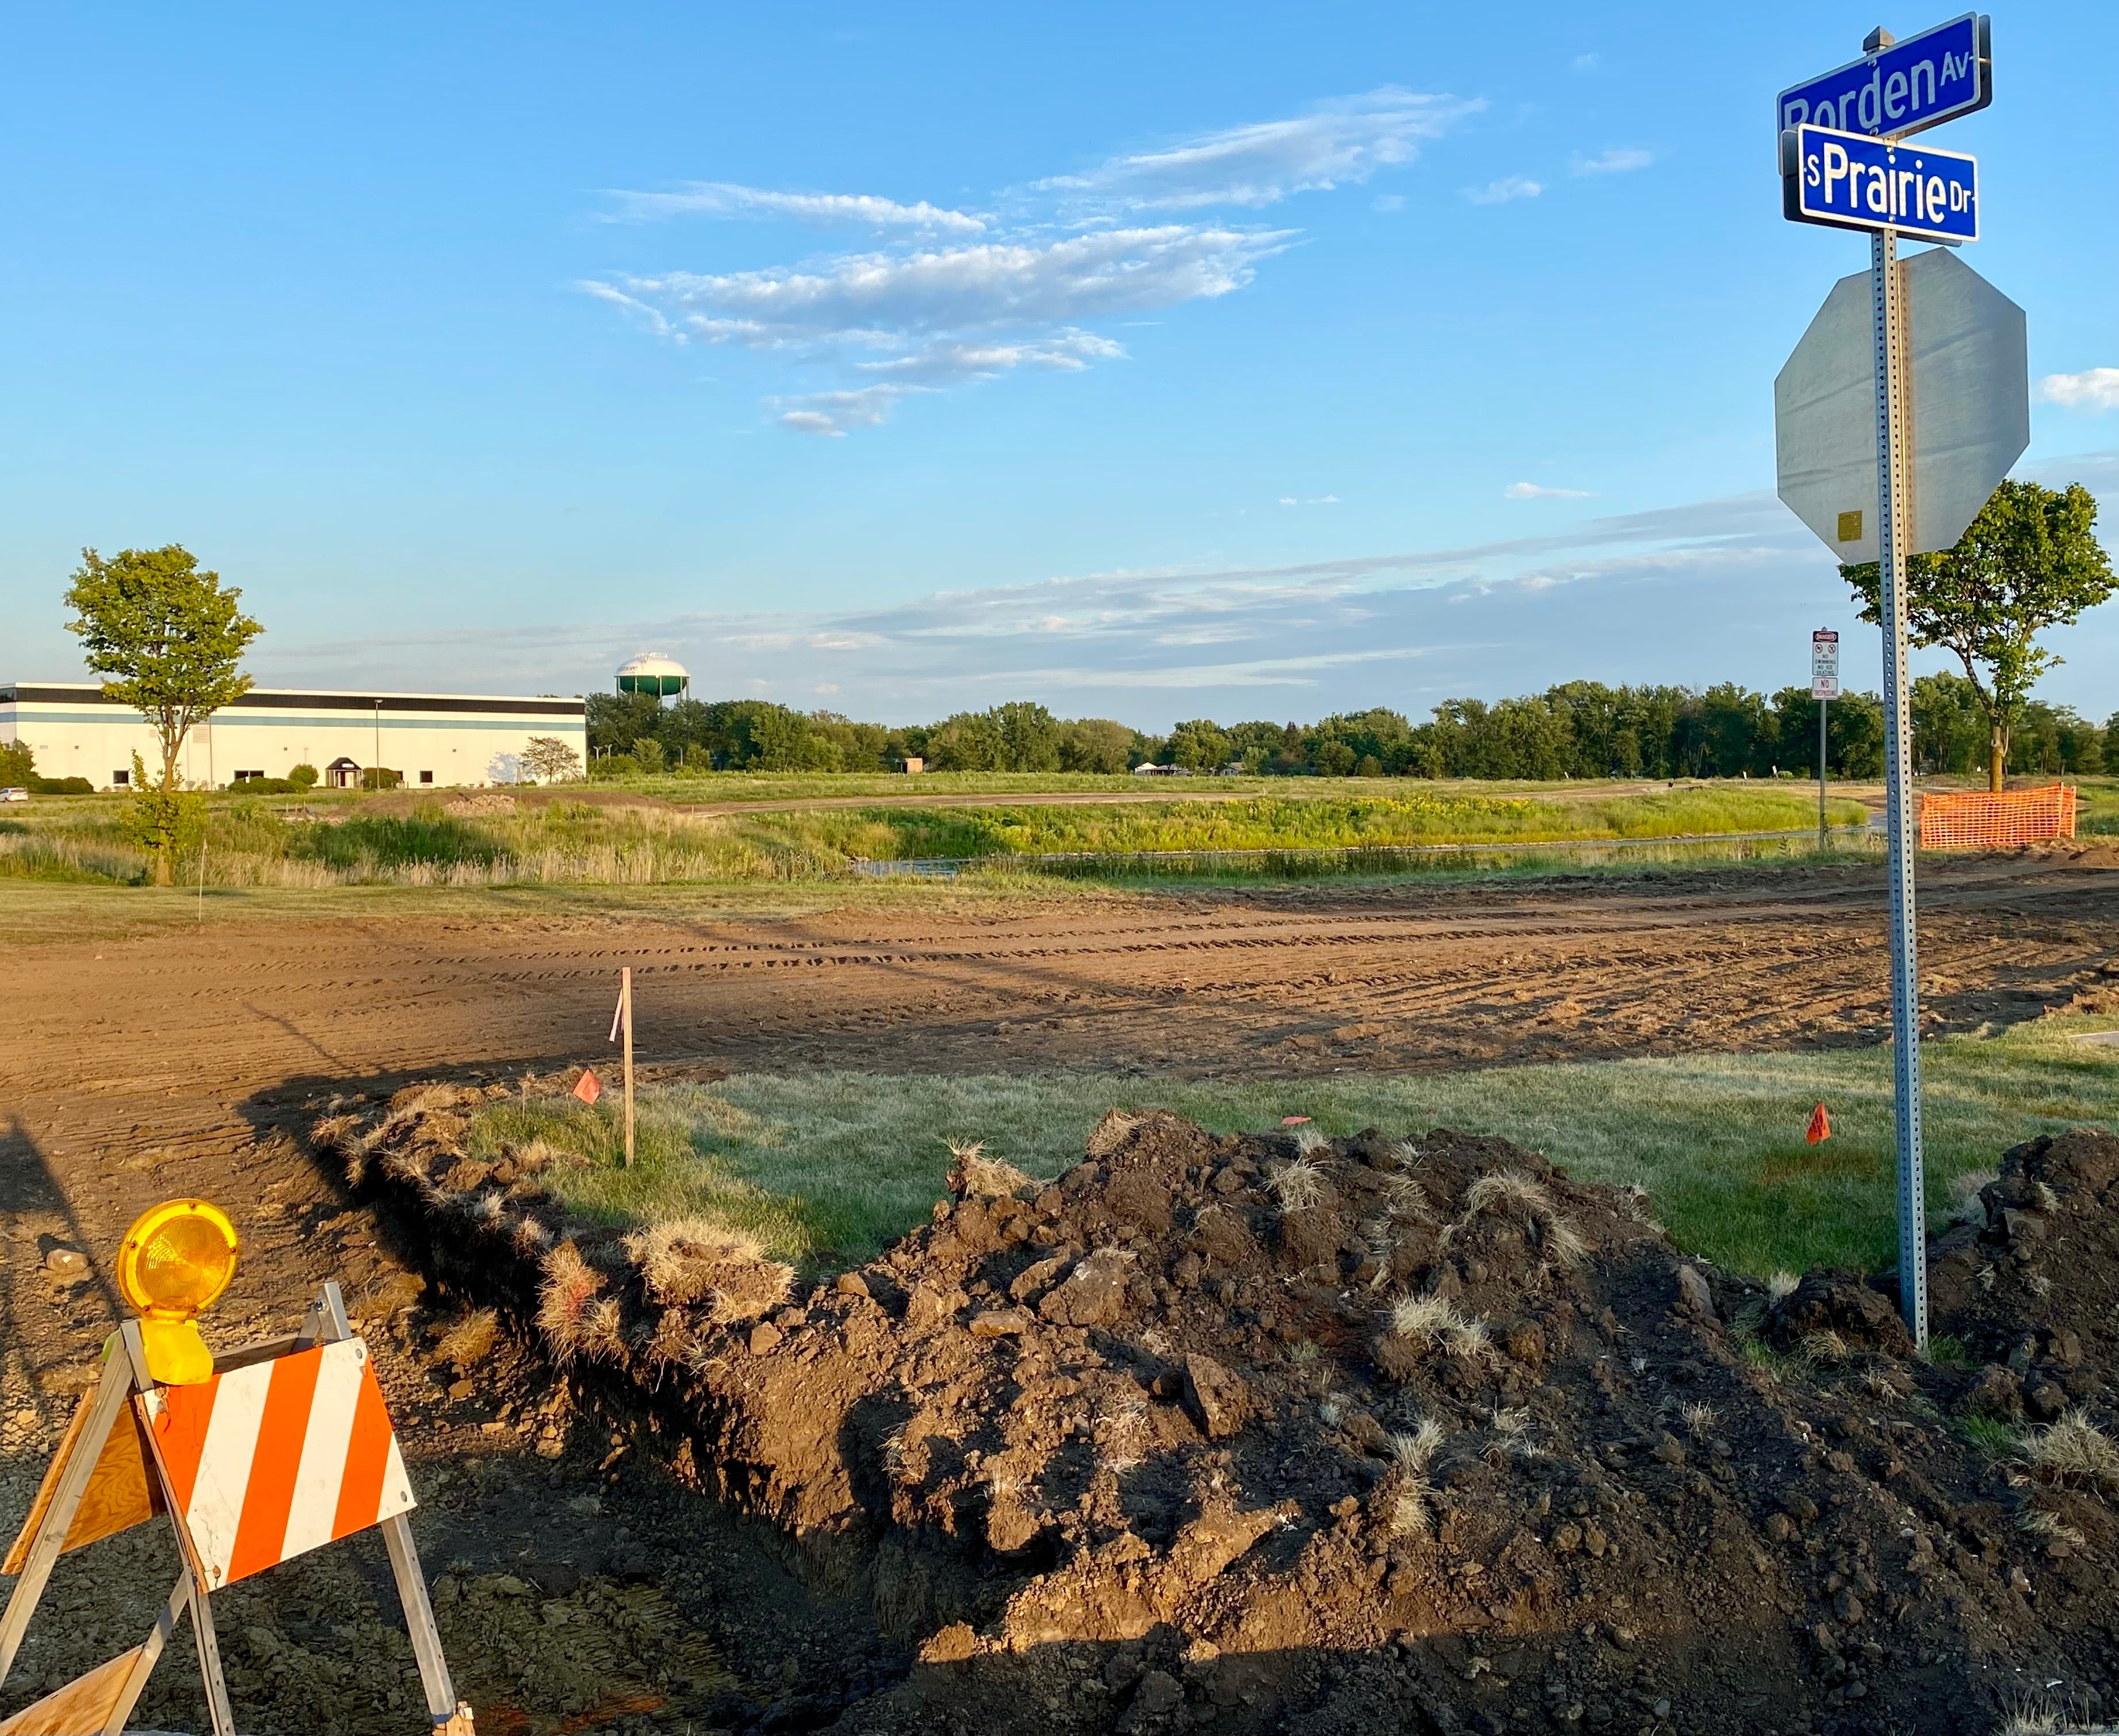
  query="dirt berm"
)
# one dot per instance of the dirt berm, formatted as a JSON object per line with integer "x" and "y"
{"x": 1271, "y": 1433}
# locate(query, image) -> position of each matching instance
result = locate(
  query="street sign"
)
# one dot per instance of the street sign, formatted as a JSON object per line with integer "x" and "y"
{"x": 1825, "y": 665}
{"x": 1970, "y": 407}
{"x": 1903, "y": 87}
{"x": 1845, "y": 181}
{"x": 1947, "y": 413}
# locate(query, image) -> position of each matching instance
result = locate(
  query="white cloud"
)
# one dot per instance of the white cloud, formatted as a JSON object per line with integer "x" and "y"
{"x": 1501, "y": 192}
{"x": 1586, "y": 62}
{"x": 1387, "y": 202}
{"x": 1338, "y": 142}
{"x": 1613, "y": 599}
{"x": 833, "y": 413}
{"x": 950, "y": 360}
{"x": 1538, "y": 491}
{"x": 1615, "y": 161}
{"x": 1313, "y": 500}
{"x": 729, "y": 199}
{"x": 880, "y": 299}
{"x": 2094, "y": 388}
{"x": 942, "y": 297}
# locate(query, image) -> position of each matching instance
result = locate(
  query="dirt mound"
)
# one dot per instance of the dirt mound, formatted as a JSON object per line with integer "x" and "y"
{"x": 2033, "y": 1291}
{"x": 1278, "y": 1434}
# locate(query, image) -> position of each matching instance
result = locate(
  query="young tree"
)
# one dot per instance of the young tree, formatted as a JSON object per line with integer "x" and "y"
{"x": 2030, "y": 561}
{"x": 167, "y": 640}
{"x": 550, "y": 759}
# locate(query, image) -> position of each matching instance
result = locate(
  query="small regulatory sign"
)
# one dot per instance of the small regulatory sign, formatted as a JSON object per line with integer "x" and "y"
{"x": 1825, "y": 665}
{"x": 1847, "y": 181}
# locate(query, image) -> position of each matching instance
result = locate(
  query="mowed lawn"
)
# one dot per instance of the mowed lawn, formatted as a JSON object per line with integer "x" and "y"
{"x": 824, "y": 1167}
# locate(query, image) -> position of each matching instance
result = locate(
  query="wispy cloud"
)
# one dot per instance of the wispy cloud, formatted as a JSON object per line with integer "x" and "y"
{"x": 2094, "y": 388}
{"x": 729, "y": 199}
{"x": 1335, "y": 144}
{"x": 1605, "y": 598}
{"x": 1313, "y": 500}
{"x": 1501, "y": 192}
{"x": 1538, "y": 491}
{"x": 833, "y": 413}
{"x": 1586, "y": 62}
{"x": 1617, "y": 161}
{"x": 944, "y": 296}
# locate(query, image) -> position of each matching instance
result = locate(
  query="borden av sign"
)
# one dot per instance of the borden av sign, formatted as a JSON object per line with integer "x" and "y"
{"x": 1847, "y": 180}
{"x": 1900, "y": 89}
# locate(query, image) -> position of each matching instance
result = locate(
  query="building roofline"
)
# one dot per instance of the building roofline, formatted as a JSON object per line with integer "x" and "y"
{"x": 341, "y": 699}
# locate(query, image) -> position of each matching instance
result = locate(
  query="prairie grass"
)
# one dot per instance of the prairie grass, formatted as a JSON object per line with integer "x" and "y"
{"x": 468, "y": 841}
{"x": 827, "y": 1166}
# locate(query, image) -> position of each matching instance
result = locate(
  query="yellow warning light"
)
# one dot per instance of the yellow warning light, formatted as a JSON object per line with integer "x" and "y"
{"x": 173, "y": 1265}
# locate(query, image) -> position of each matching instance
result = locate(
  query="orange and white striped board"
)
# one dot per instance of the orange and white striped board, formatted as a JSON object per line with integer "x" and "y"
{"x": 268, "y": 1462}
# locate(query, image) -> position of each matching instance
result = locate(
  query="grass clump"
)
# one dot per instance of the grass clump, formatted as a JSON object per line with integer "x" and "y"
{"x": 1991, "y": 1435}
{"x": 2073, "y": 1452}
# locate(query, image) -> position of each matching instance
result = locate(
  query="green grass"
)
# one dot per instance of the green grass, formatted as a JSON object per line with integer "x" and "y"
{"x": 486, "y": 839}
{"x": 1410, "y": 816}
{"x": 827, "y": 1166}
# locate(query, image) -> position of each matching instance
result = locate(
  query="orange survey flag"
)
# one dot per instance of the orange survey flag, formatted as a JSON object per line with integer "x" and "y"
{"x": 585, "y": 1087}
{"x": 1821, "y": 1126}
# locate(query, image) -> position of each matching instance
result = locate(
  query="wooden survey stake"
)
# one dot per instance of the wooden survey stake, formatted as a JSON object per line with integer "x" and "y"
{"x": 137, "y": 1448}
{"x": 622, "y": 1020}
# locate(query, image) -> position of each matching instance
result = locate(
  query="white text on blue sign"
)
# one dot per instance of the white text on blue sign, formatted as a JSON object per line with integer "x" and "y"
{"x": 1899, "y": 90}
{"x": 1847, "y": 180}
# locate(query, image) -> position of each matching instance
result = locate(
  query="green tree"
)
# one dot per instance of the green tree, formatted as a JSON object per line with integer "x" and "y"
{"x": 17, "y": 765}
{"x": 167, "y": 639}
{"x": 1099, "y": 744}
{"x": 1199, "y": 745}
{"x": 2030, "y": 561}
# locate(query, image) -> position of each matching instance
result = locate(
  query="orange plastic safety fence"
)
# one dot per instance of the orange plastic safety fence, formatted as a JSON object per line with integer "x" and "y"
{"x": 1980, "y": 820}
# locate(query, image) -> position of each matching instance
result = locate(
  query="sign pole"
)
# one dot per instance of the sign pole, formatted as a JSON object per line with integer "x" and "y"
{"x": 1893, "y": 528}
{"x": 1821, "y": 838}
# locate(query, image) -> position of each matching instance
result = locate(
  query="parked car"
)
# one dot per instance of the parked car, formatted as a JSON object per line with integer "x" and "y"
{"x": 14, "y": 793}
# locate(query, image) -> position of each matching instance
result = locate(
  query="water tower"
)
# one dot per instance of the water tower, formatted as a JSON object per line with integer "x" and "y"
{"x": 652, "y": 672}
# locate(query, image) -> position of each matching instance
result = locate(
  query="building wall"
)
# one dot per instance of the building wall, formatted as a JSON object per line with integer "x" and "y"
{"x": 454, "y": 738}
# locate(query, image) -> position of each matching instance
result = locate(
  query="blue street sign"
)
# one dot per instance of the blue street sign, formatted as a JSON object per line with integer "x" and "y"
{"x": 1945, "y": 72}
{"x": 1849, "y": 181}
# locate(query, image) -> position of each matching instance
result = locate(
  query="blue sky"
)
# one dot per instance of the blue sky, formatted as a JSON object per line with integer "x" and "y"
{"x": 1235, "y": 360}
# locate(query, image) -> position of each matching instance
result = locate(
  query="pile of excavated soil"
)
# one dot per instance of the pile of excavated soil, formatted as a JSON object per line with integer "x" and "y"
{"x": 1273, "y": 1433}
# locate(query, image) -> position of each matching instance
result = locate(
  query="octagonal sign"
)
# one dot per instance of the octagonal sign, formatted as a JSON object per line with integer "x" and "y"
{"x": 1968, "y": 406}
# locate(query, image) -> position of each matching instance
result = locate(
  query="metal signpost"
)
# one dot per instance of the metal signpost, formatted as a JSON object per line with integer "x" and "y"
{"x": 1947, "y": 412}
{"x": 1823, "y": 688}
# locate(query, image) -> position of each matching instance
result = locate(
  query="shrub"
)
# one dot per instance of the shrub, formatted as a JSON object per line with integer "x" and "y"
{"x": 304, "y": 777}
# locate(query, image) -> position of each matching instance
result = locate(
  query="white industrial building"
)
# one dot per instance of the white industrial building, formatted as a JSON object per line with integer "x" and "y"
{"x": 437, "y": 738}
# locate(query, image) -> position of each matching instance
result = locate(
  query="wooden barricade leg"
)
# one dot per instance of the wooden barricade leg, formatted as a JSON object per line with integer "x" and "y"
{"x": 146, "y": 1656}
{"x": 86, "y": 1447}
{"x": 203, "y": 1634}
{"x": 448, "y": 1713}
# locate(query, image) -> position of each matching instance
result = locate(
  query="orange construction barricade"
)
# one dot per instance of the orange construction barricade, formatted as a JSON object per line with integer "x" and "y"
{"x": 255, "y": 1457}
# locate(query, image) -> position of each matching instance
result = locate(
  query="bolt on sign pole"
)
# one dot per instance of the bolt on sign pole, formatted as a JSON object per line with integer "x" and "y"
{"x": 1887, "y": 304}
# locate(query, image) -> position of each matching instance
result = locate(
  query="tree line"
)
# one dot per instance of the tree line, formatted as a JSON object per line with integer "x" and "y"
{"x": 1579, "y": 729}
